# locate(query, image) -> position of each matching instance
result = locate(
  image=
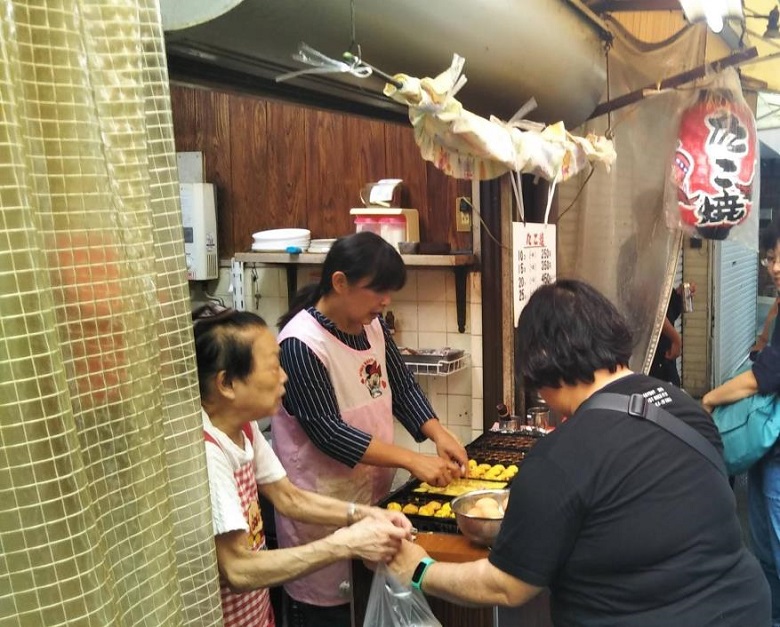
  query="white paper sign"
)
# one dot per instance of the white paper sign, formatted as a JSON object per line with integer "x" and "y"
{"x": 382, "y": 191}
{"x": 533, "y": 260}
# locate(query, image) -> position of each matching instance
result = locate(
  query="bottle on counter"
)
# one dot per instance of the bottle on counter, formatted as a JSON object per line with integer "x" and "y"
{"x": 506, "y": 424}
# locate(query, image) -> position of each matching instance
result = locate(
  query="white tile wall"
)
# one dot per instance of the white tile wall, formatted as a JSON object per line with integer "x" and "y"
{"x": 426, "y": 317}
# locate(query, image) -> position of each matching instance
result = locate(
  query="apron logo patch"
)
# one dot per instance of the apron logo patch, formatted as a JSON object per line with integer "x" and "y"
{"x": 371, "y": 377}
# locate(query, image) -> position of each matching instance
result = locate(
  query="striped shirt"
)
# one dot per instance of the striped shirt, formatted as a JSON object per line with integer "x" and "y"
{"x": 311, "y": 398}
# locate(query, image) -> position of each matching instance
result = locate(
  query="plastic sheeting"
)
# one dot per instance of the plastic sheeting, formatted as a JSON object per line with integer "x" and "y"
{"x": 105, "y": 509}
{"x": 615, "y": 235}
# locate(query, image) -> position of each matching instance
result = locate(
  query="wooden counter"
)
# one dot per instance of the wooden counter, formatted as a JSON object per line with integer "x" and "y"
{"x": 455, "y": 548}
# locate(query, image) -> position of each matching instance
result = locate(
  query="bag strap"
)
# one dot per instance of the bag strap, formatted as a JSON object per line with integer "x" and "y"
{"x": 637, "y": 406}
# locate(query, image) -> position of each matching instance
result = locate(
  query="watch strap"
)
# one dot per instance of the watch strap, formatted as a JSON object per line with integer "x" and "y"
{"x": 419, "y": 572}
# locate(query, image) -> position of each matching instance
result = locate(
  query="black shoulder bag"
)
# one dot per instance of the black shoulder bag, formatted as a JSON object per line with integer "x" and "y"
{"x": 637, "y": 406}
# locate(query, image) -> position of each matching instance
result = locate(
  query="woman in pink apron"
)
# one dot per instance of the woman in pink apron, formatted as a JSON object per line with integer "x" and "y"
{"x": 334, "y": 432}
{"x": 240, "y": 381}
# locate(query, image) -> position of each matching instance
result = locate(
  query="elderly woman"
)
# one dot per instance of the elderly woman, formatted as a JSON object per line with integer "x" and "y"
{"x": 625, "y": 523}
{"x": 240, "y": 381}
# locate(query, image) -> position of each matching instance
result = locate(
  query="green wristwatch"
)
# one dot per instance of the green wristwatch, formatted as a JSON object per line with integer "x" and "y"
{"x": 419, "y": 572}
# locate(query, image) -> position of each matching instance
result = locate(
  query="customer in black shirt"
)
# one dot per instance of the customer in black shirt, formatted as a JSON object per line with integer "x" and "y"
{"x": 626, "y": 524}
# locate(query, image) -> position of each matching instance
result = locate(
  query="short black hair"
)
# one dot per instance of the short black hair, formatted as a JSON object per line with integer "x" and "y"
{"x": 770, "y": 235}
{"x": 219, "y": 344}
{"x": 567, "y": 331}
{"x": 359, "y": 256}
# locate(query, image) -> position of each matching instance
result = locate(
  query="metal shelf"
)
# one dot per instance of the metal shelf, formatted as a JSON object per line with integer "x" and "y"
{"x": 461, "y": 264}
{"x": 317, "y": 258}
{"x": 442, "y": 368}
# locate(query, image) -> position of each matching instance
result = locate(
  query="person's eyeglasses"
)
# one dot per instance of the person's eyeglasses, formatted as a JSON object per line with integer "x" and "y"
{"x": 768, "y": 261}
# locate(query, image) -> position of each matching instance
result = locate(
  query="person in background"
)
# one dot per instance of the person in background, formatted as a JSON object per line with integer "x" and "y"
{"x": 240, "y": 381}
{"x": 769, "y": 323}
{"x": 347, "y": 380}
{"x": 626, "y": 524}
{"x": 764, "y": 476}
{"x": 669, "y": 347}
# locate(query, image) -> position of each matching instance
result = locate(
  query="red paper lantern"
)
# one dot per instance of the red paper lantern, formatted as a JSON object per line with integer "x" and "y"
{"x": 715, "y": 164}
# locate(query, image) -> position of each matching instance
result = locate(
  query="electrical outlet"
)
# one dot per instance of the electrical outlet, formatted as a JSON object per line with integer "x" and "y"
{"x": 463, "y": 214}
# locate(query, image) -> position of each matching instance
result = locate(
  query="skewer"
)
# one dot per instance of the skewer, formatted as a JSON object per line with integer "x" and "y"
{"x": 355, "y": 59}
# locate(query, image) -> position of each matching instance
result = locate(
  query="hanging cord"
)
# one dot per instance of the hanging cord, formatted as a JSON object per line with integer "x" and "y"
{"x": 486, "y": 228}
{"x": 582, "y": 187}
{"x": 609, "y": 133}
{"x": 322, "y": 64}
{"x": 357, "y": 61}
{"x": 517, "y": 188}
{"x": 353, "y": 44}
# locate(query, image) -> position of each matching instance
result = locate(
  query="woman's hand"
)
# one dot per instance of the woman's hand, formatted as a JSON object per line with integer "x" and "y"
{"x": 374, "y": 539}
{"x": 448, "y": 447}
{"x": 434, "y": 470}
{"x": 395, "y": 517}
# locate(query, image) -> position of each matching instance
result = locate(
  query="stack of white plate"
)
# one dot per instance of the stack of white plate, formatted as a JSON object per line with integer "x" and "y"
{"x": 279, "y": 240}
{"x": 320, "y": 245}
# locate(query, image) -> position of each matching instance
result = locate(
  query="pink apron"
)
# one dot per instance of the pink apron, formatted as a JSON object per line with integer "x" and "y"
{"x": 247, "y": 609}
{"x": 365, "y": 401}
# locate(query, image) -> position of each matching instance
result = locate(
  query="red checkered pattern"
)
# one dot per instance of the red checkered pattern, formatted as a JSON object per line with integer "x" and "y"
{"x": 247, "y": 609}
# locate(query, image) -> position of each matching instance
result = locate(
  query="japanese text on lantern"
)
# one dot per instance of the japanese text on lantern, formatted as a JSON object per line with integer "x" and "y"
{"x": 726, "y": 142}
{"x": 533, "y": 260}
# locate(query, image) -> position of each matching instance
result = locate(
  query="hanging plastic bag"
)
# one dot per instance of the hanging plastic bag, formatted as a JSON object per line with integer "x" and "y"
{"x": 392, "y": 605}
{"x": 713, "y": 183}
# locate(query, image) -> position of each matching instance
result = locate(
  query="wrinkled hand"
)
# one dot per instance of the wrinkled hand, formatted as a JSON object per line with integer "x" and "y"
{"x": 405, "y": 561}
{"x": 435, "y": 470}
{"x": 372, "y": 539}
{"x": 448, "y": 447}
{"x": 396, "y": 518}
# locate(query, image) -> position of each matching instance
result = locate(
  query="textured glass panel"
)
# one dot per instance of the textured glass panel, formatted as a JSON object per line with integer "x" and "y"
{"x": 105, "y": 513}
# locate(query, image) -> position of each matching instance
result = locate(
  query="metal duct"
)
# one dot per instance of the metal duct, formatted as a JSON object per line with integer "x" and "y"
{"x": 514, "y": 49}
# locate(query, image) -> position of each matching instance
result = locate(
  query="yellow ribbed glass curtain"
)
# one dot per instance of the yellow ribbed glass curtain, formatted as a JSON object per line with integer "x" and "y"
{"x": 104, "y": 509}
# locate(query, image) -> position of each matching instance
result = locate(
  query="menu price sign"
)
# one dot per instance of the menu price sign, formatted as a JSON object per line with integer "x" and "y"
{"x": 533, "y": 260}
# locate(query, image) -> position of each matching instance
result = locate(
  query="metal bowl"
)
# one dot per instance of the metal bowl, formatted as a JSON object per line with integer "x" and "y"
{"x": 482, "y": 531}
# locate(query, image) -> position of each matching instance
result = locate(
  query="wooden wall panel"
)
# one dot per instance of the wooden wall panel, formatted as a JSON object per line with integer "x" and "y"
{"x": 183, "y": 110}
{"x": 404, "y": 162}
{"x": 248, "y": 190}
{"x": 285, "y": 173}
{"x": 281, "y": 165}
{"x": 365, "y": 141}
{"x": 214, "y": 129}
{"x": 439, "y": 219}
{"x": 327, "y": 196}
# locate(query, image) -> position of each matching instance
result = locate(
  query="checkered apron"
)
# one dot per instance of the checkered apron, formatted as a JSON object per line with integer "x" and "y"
{"x": 247, "y": 609}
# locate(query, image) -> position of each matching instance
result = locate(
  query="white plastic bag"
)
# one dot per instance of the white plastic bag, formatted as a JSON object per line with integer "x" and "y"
{"x": 392, "y": 605}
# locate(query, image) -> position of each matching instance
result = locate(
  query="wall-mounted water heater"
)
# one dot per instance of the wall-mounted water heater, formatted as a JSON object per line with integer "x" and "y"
{"x": 199, "y": 218}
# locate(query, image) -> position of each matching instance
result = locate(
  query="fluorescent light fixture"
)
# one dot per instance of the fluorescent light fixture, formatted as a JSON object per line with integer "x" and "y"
{"x": 714, "y": 12}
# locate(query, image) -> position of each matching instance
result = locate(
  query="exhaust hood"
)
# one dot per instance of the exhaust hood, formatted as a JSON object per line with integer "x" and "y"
{"x": 514, "y": 49}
